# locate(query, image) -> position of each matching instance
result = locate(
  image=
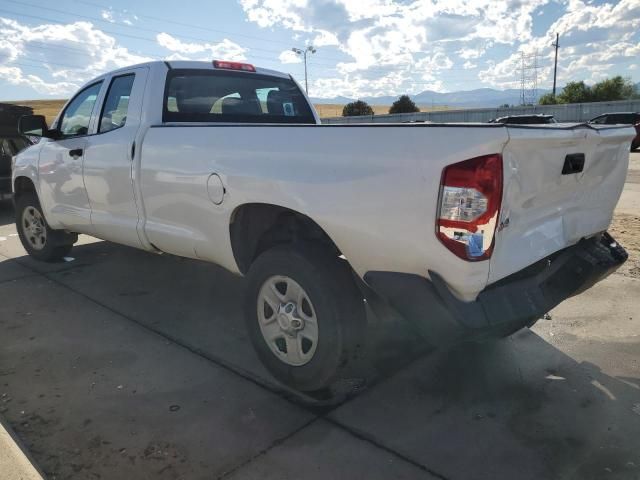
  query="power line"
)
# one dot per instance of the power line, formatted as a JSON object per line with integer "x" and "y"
{"x": 191, "y": 25}
{"x": 326, "y": 67}
{"x": 140, "y": 28}
{"x": 115, "y": 34}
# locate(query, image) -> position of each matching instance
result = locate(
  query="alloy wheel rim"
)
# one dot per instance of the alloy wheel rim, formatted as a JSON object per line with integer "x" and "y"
{"x": 34, "y": 228}
{"x": 287, "y": 320}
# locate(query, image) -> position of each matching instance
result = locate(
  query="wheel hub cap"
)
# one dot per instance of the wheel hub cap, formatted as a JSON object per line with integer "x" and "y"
{"x": 33, "y": 227}
{"x": 287, "y": 320}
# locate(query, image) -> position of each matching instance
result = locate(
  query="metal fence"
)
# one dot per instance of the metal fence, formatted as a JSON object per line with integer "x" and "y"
{"x": 572, "y": 112}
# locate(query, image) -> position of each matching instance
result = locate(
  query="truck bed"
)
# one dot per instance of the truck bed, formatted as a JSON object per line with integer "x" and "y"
{"x": 374, "y": 188}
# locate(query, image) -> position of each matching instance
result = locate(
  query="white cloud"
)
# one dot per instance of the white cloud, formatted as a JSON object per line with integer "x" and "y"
{"x": 357, "y": 85}
{"x": 469, "y": 53}
{"x": 123, "y": 16}
{"x": 289, "y": 56}
{"x": 269, "y": 13}
{"x": 593, "y": 40}
{"x": 15, "y": 76}
{"x": 70, "y": 54}
{"x": 410, "y": 36}
{"x": 224, "y": 50}
{"x": 324, "y": 39}
{"x": 107, "y": 15}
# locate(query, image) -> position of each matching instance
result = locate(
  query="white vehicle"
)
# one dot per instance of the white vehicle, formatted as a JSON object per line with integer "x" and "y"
{"x": 470, "y": 231}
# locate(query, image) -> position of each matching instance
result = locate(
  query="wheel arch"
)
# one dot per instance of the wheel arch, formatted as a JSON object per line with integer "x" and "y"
{"x": 22, "y": 184}
{"x": 255, "y": 227}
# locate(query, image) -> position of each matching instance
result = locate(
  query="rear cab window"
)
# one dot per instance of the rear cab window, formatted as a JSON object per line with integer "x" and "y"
{"x": 196, "y": 95}
{"x": 623, "y": 118}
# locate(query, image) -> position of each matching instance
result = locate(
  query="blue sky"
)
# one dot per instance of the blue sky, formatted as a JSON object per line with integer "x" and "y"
{"x": 364, "y": 47}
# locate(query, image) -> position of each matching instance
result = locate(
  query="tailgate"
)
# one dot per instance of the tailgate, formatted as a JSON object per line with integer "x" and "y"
{"x": 550, "y": 202}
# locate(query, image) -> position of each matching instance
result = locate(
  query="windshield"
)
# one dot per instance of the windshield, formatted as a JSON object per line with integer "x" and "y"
{"x": 224, "y": 96}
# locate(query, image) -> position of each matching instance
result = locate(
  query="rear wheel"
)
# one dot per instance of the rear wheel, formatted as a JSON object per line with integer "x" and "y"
{"x": 305, "y": 315}
{"x": 37, "y": 237}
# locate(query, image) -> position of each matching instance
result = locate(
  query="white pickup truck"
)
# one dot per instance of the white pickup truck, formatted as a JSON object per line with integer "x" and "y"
{"x": 470, "y": 231}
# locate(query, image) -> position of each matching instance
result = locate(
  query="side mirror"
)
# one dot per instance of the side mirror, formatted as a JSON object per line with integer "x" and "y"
{"x": 35, "y": 126}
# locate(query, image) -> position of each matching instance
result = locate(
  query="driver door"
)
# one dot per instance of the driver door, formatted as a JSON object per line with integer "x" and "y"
{"x": 62, "y": 193}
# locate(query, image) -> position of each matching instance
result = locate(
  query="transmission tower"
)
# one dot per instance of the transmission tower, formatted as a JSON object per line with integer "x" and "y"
{"x": 529, "y": 78}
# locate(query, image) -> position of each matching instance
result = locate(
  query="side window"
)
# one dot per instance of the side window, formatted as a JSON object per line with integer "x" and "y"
{"x": 76, "y": 117}
{"x": 601, "y": 120}
{"x": 114, "y": 110}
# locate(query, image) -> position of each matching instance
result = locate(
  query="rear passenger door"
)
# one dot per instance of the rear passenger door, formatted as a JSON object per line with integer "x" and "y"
{"x": 109, "y": 164}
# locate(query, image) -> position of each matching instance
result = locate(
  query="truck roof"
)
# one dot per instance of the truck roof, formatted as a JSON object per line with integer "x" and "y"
{"x": 194, "y": 64}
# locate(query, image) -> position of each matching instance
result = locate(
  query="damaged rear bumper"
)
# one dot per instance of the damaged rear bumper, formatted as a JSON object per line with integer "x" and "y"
{"x": 506, "y": 306}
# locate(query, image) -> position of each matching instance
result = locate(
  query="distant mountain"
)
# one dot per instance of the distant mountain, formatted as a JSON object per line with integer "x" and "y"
{"x": 479, "y": 98}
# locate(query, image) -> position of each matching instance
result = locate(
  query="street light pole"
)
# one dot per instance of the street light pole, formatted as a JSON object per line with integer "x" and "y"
{"x": 303, "y": 52}
{"x": 555, "y": 66}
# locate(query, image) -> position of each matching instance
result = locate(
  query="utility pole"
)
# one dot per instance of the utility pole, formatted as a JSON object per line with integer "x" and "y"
{"x": 303, "y": 52}
{"x": 555, "y": 66}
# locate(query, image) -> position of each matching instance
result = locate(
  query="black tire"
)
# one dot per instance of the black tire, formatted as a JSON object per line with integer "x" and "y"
{"x": 338, "y": 303}
{"x": 58, "y": 243}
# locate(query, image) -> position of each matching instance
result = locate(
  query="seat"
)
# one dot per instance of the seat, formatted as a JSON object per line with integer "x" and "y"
{"x": 238, "y": 106}
{"x": 275, "y": 102}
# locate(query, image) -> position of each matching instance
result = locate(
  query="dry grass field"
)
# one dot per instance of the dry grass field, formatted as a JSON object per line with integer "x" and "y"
{"x": 50, "y": 108}
{"x": 335, "y": 110}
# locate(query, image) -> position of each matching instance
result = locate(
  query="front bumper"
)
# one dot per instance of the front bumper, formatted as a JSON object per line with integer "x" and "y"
{"x": 506, "y": 306}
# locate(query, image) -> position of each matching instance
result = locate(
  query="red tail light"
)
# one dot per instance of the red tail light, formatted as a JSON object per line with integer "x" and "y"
{"x": 245, "y": 67}
{"x": 470, "y": 197}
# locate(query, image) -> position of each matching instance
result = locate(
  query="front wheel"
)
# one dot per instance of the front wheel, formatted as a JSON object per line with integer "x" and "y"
{"x": 38, "y": 238}
{"x": 305, "y": 315}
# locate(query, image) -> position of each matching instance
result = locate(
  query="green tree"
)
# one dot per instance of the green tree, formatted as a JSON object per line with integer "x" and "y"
{"x": 404, "y": 104}
{"x": 356, "y": 109}
{"x": 575, "y": 92}
{"x": 548, "y": 99}
{"x": 616, "y": 88}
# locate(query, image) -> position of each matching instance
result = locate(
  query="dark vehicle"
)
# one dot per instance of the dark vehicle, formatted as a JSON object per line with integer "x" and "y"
{"x": 621, "y": 118}
{"x": 11, "y": 142}
{"x": 525, "y": 119}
